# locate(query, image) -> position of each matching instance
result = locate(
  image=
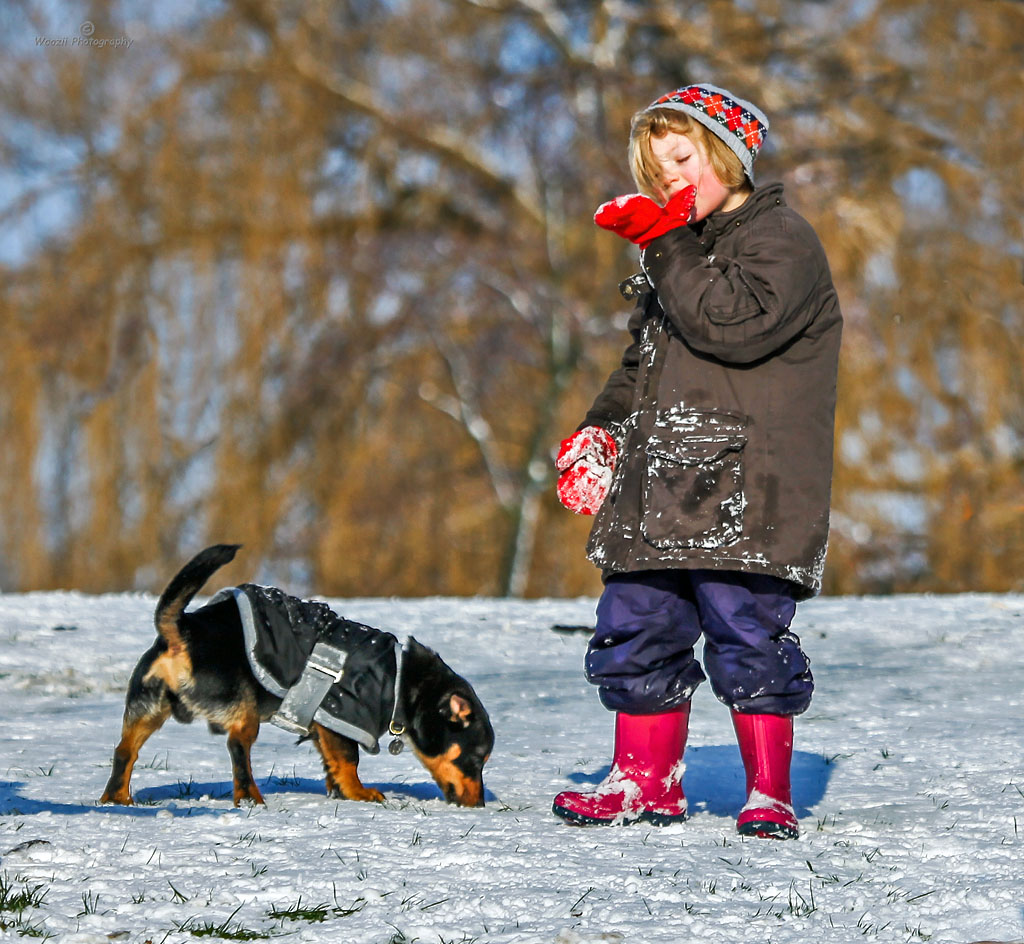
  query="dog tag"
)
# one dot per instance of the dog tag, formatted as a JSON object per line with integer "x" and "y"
{"x": 396, "y": 746}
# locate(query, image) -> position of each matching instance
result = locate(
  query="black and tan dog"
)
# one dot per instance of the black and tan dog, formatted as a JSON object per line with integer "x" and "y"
{"x": 199, "y": 667}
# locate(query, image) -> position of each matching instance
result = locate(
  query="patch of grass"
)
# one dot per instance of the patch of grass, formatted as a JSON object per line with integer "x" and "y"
{"x": 15, "y": 900}
{"x": 24, "y": 929}
{"x": 157, "y": 763}
{"x": 90, "y": 904}
{"x": 573, "y": 910}
{"x": 504, "y": 807}
{"x": 829, "y": 761}
{"x": 799, "y": 906}
{"x": 284, "y": 780}
{"x": 315, "y": 913}
{"x": 866, "y": 927}
{"x": 299, "y": 913}
{"x": 341, "y": 911}
{"x": 399, "y": 937}
{"x": 222, "y": 930}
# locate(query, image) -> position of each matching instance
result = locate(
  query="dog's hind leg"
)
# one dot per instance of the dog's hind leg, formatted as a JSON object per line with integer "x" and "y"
{"x": 135, "y": 731}
{"x": 341, "y": 761}
{"x": 242, "y": 734}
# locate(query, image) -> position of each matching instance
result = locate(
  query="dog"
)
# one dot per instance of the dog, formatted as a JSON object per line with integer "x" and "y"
{"x": 199, "y": 667}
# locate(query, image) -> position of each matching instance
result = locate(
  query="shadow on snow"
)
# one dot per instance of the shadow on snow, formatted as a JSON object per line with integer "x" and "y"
{"x": 152, "y": 800}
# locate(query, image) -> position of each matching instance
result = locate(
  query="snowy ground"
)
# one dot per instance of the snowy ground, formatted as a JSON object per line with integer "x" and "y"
{"x": 909, "y": 782}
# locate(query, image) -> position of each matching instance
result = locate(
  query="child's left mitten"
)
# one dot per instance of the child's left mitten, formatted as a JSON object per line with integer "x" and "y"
{"x": 586, "y": 461}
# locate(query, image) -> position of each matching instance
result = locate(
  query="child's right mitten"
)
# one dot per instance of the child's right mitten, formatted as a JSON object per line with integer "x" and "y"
{"x": 640, "y": 220}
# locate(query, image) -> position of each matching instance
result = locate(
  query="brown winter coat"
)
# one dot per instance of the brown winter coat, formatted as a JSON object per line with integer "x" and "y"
{"x": 725, "y": 402}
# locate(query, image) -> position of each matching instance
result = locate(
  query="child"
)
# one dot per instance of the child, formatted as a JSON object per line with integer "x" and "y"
{"x": 707, "y": 459}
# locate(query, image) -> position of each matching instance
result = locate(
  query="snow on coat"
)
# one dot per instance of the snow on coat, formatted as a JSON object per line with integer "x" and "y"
{"x": 726, "y": 402}
{"x": 280, "y": 632}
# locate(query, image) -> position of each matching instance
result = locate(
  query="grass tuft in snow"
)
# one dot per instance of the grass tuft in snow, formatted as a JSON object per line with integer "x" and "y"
{"x": 399, "y": 937}
{"x": 90, "y": 904}
{"x": 223, "y": 930}
{"x": 15, "y": 901}
{"x": 298, "y": 912}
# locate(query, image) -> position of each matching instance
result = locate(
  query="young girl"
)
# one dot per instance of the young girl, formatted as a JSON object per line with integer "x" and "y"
{"x": 707, "y": 459}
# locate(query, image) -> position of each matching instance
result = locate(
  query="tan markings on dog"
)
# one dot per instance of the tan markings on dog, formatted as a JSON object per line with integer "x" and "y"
{"x": 167, "y": 625}
{"x": 341, "y": 767}
{"x": 133, "y": 736}
{"x": 242, "y": 734}
{"x": 346, "y": 778}
{"x": 454, "y": 784}
{"x": 174, "y": 669}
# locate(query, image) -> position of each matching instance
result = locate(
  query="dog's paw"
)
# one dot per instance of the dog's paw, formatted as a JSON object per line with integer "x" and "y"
{"x": 123, "y": 799}
{"x": 368, "y": 795}
{"x": 364, "y": 794}
{"x": 250, "y": 796}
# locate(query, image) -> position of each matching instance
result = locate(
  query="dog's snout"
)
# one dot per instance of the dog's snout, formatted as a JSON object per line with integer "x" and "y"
{"x": 471, "y": 793}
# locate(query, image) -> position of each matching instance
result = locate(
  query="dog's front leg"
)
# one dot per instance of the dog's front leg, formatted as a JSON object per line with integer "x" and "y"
{"x": 341, "y": 761}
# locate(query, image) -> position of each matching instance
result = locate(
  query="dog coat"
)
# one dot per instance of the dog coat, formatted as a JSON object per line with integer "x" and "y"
{"x": 280, "y": 632}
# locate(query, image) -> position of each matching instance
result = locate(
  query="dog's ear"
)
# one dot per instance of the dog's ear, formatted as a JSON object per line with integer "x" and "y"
{"x": 459, "y": 710}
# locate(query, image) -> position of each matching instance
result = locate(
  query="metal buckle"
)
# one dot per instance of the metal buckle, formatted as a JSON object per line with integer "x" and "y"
{"x": 334, "y": 674}
{"x": 635, "y": 286}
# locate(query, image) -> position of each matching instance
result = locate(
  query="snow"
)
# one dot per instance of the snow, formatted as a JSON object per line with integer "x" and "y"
{"x": 908, "y": 781}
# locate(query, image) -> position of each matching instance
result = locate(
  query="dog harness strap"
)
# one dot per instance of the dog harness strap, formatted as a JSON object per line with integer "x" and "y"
{"x": 324, "y": 668}
{"x": 397, "y": 725}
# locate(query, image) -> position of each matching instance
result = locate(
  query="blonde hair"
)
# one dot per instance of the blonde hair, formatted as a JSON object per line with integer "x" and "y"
{"x": 656, "y": 123}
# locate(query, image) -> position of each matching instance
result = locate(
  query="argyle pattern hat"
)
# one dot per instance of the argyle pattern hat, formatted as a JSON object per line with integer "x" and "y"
{"x": 739, "y": 124}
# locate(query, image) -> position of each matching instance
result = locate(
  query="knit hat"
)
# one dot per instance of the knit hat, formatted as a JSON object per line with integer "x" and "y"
{"x": 738, "y": 123}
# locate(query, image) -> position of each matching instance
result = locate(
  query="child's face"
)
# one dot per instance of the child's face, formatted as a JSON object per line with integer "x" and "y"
{"x": 684, "y": 163}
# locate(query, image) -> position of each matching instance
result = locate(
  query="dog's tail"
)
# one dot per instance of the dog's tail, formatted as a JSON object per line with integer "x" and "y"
{"x": 185, "y": 585}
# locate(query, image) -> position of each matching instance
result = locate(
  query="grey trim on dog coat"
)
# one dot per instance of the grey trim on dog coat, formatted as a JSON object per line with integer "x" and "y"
{"x": 280, "y": 632}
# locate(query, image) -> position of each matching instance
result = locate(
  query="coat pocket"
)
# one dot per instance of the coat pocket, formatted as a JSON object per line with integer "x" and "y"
{"x": 693, "y": 485}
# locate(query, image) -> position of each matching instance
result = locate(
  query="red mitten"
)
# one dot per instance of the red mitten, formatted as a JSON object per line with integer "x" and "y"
{"x": 586, "y": 460}
{"x": 640, "y": 220}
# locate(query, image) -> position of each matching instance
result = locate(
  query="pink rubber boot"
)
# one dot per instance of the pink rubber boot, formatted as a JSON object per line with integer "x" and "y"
{"x": 645, "y": 782}
{"x": 766, "y": 746}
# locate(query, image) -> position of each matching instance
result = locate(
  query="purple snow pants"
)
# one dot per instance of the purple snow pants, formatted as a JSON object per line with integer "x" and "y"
{"x": 641, "y": 654}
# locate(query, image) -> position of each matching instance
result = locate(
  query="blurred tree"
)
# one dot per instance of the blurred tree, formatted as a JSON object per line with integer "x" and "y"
{"x": 320, "y": 277}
